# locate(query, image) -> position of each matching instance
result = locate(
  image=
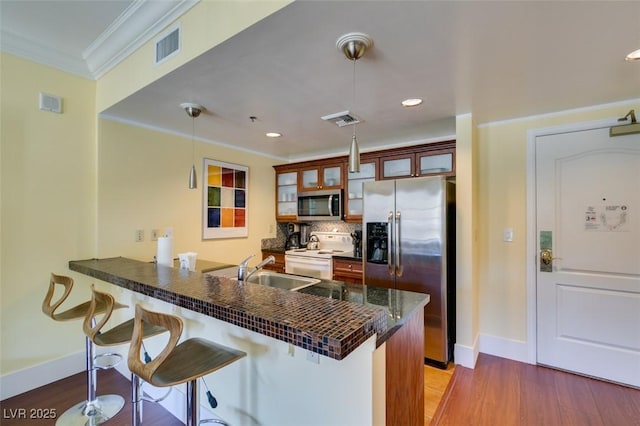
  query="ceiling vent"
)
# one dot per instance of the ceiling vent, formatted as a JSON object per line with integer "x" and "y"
{"x": 168, "y": 45}
{"x": 341, "y": 119}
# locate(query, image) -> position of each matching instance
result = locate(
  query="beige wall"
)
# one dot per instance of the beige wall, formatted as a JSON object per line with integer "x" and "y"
{"x": 48, "y": 205}
{"x": 502, "y": 203}
{"x": 143, "y": 184}
{"x": 466, "y": 242}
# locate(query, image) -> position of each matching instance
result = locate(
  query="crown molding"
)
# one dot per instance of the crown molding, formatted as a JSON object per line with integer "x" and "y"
{"x": 142, "y": 21}
{"x": 36, "y": 51}
{"x": 139, "y": 23}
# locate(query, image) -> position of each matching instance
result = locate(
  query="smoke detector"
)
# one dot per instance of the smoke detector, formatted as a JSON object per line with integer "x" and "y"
{"x": 342, "y": 119}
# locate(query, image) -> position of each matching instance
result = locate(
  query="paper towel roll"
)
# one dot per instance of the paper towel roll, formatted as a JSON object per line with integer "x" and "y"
{"x": 164, "y": 255}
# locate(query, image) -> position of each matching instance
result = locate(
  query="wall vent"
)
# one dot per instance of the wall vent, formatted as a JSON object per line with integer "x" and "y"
{"x": 341, "y": 119}
{"x": 50, "y": 103}
{"x": 168, "y": 45}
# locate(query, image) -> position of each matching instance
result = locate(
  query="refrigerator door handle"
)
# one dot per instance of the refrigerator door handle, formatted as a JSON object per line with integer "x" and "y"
{"x": 390, "y": 265}
{"x": 398, "y": 246}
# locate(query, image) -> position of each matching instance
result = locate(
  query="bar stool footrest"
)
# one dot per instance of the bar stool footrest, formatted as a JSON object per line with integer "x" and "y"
{"x": 106, "y": 361}
{"x": 216, "y": 421}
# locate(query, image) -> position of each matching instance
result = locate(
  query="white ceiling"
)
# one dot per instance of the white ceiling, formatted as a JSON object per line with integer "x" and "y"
{"x": 496, "y": 60}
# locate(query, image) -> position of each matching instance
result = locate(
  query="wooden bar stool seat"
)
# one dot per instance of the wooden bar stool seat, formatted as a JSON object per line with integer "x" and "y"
{"x": 103, "y": 304}
{"x": 95, "y": 409}
{"x": 177, "y": 363}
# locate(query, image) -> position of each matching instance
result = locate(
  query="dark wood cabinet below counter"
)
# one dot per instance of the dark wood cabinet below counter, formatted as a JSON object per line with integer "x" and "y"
{"x": 347, "y": 270}
{"x": 278, "y": 266}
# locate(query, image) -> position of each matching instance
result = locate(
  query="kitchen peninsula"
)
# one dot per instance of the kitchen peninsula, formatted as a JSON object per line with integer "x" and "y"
{"x": 370, "y": 339}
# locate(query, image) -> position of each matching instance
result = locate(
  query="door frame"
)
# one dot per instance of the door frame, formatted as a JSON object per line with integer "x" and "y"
{"x": 531, "y": 208}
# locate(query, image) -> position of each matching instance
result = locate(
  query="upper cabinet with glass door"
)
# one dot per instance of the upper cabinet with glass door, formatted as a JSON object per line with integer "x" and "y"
{"x": 354, "y": 187}
{"x": 320, "y": 178}
{"x": 427, "y": 161}
{"x": 286, "y": 195}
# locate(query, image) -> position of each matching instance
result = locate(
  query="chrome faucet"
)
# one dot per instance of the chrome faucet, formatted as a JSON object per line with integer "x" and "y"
{"x": 242, "y": 268}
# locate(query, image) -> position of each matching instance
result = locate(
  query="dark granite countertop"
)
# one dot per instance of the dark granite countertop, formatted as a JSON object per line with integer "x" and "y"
{"x": 398, "y": 305}
{"x": 327, "y": 325}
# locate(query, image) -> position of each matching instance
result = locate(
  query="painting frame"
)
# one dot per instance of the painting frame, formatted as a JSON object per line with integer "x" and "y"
{"x": 225, "y": 200}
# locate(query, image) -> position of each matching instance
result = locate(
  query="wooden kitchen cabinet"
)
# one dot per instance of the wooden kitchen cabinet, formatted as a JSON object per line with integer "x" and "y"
{"x": 321, "y": 177}
{"x": 286, "y": 194}
{"x": 436, "y": 159}
{"x": 354, "y": 182}
{"x": 278, "y": 266}
{"x": 347, "y": 270}
{"x": 431, "y": 159}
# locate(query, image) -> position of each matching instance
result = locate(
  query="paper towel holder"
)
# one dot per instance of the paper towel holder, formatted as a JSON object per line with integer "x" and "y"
{"x": 193, "y": 111}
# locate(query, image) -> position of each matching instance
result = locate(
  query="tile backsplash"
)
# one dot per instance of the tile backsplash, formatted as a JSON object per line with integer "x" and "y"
{"x": 322, "y": 226}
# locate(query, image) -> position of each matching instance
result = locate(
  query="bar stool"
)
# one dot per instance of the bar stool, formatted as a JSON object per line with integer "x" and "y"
{"x": 95, "y": 409}
{"x": 116, "y": 335}
{"x": 176, "y": 364}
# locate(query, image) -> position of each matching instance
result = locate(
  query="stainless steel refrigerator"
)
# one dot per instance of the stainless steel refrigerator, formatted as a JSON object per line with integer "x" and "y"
{"x": 409, "y": 244}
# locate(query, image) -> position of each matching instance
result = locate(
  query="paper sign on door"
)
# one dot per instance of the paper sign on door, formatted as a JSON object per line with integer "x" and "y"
{"x": 607, "y": 218}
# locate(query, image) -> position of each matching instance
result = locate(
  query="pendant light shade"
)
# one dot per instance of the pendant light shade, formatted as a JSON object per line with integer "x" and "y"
{"x": 354, "y": 156}
{"x": 193, "y": 180}
{"x": 354, "y": 46}
{"x": 193, "y": 111}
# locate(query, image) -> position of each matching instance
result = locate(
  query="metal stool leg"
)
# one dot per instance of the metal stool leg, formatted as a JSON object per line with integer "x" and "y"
{"x": 96, "y": 409}
{"x": 136, "y": 400}
{"x": 193, "y": 403}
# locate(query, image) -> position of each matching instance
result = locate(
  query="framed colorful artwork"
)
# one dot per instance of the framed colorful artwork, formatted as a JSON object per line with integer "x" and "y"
{"x": 225, "y": 200}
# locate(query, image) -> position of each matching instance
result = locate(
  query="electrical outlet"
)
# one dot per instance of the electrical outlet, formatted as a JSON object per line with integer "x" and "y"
{"x": 168, "y": 232}
{"x": 272, "y": 229}
{"x": 139, "y": 237}
{"x": 155, "y": 233}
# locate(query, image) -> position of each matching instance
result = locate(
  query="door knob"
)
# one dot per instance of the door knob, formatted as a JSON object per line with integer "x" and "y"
{"x": 546, "y": 256}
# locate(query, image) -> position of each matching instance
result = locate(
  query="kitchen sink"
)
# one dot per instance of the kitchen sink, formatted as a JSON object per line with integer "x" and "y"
{"x": 283, "y": 281}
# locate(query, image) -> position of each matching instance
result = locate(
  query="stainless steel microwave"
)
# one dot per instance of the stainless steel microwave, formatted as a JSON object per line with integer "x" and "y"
{"x": 320, "y": 205}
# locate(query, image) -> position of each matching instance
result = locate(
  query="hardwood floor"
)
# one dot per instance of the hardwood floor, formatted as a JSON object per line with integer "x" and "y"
{"x": 504, "y": 392}
{"x": 436, "y": 381}
{"x": 497, "y": 392}
{"x": 24, "y": 409}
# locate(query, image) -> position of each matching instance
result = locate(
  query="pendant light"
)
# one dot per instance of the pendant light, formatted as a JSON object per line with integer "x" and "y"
{"x": 354, "y": 46}
{"x": 193, "y": 111}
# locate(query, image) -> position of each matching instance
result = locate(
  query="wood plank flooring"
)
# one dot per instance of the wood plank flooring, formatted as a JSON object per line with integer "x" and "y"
{"x": 65, "y": 393}
{"x": 504, "y": 392}
{"x": 436, "y": 381}
{"x": 497, "y": 392}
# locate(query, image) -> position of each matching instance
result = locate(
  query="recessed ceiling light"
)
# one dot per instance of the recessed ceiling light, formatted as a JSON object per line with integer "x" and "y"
{"x": 411, "y": 102}
{"x": 633, "y": 56}
{"x": 273, "y": 135}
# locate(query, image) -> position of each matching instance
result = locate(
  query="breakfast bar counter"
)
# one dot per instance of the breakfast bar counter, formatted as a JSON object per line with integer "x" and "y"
{"x": 325, "y": 325}
{"x": 367, "y": 336}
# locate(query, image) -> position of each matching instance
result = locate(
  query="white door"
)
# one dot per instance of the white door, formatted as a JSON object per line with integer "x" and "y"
{"x": 588, "y": 221}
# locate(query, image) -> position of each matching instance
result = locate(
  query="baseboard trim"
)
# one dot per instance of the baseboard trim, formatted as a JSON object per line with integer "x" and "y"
{"x": 516, "y": 350}
{"x": 466, "y": 356}
{"x": 42, "y": 374}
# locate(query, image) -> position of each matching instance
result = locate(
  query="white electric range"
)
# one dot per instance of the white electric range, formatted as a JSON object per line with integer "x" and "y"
{"x": 319, "y": 263}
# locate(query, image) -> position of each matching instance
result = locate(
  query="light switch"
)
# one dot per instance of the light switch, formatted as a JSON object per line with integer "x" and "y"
{"x": 507, "y": 235}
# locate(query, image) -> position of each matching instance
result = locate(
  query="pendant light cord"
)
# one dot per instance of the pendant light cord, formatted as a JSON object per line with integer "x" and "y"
{"x": 193, "y": 146}
{"x": 354, "y": 93}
